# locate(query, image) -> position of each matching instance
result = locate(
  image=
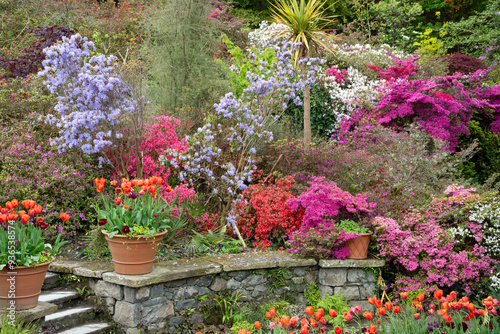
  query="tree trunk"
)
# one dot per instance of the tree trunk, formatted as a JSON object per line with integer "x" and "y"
{"x": 307, "y": 118}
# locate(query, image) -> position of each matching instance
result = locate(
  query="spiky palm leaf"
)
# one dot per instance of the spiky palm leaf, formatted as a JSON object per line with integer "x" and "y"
{"x": 305, "y": 22}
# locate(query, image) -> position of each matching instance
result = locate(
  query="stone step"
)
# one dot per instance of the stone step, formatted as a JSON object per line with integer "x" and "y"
{"x": 58, "y": 297}
{"x": 70, "y": 317}
{"x": 91, "y": 328}
{"x": 50, "y": 280}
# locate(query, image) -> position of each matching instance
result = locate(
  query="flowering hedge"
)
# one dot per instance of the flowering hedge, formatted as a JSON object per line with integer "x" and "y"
{"x": 434, "y": 248}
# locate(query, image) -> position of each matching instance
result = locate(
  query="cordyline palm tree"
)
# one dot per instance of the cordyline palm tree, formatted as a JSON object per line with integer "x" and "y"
{"x": 304, "y": 21}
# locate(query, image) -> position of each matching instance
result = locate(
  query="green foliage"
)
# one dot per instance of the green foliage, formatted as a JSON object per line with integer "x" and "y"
{"x": 180, "y": 51}
{"x": 277, "y": 277}
{"x": 312, "y": 294}
{"x": 337, "y": 303}
{"x": 395, "y": 18}
{"x": 251, "y": 16}
{"x": 279, "y": 305}
{"x": 486, "y": 161}
{"x": 96, "y": 246}
{"x": 243, "y": 64}
{"x": 230, "y": 307}
{"x": 322, "y": 115}
{"x": 15, "y": 325}
{"x": 479, "y": 30}
{"x": 204, "y": 242}
{"x": 432, "y": 66}
{"x": 239, "y": 325}
{"x": 350, "y": 226}
{"x": 231, "y": 246}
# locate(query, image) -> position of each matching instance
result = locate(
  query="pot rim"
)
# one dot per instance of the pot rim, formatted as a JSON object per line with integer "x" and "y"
{"x": 142, "y": 236}
{"x": 32, "y": 266}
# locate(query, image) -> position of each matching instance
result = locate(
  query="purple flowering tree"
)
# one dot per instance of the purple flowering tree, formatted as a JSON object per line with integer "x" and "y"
{"x": 222, "y": 153}
{"x": 92, "y": 97}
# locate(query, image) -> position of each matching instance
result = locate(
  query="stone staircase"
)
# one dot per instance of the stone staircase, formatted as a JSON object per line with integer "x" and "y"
{"x": 69, "y": 313}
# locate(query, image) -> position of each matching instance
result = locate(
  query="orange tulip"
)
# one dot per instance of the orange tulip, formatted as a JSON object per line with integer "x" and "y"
{"x": 404, "y": 295}
{"x": 276, "y": 320}
{"x": 397, "y": 309}
{"x": 320, "y": 312}
{"x": 313, "y": 322}
{"x": 140, "y": 183}
{"x": 118, "y": 191}
{"x": 378, "y": 303}
{"x": 285, "y": 321}
{"x": 159, "y": 180}
{"x": 438, "y": 294}
{"x": 15, "y": 203}
{"x": 304, "y": 322}
{"x": 371, "y": 300}
{"x": 451, "y": 296}
{"x": 153, "y": 179}
{"x": 309, "y": 310}
{"x": 388, "y": 306}
{"x": 268, "y": 315}
{"x": 416, "y": 316}
{"x": 28, "y": 204}
{"x": 9, "y": 205}
{"x": 304, "y": 330}
{"x": 3, "y": 218}
{"x": 347, "y": 316}
{"x": 64, "y": 216}
{"x": 257, "y": 325}
{"x": 12, "y": 216}
{"x": 114, "y": 183}
{"x": 24, "y": 218}
{"x": 152, "y": 189}
{"x": 38, "y": 209}
{"x": 447, "y": 318}
{"x": 415, "y": 302}
{"x": 372, "y": 329}
{"x": 381, "y": 311}
{"x": 147, "y": 182}
{"x": 332, "y": 313}
{"x": 421, "y": 297}
{"x": 368, "y": 316}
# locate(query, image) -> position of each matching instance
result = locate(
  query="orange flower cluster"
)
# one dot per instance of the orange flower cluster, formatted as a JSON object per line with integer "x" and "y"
{"x": 31, "y": 209}
{"x": 126, "y": 186}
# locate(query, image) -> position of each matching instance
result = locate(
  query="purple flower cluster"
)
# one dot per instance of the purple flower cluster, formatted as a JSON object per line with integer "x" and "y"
{"x": 222, "y": 152}
{"x": 92, "y": 97}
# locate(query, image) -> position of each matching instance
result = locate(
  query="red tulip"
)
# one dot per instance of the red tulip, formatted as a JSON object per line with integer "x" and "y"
{"x": 268, "y": 315}
{"x": 257, "y": 325}
{"x": 8, "y": 205}
{"x": 381, "y": 311}
{"x": 309, "y": 310}
{"x": 368, "y": 316}
{"x": 102, "y": 222}
{"x": 304, "y": 330}
{"x": 438, "y": 294}
{"x": 332, "y": 313}
{"x": 388, "y": 306}
{"x": 24, "y": 218}
{"x": 12, "y": 216}
{"x": 372, "y": 329}
{"x": 118, "y": 201}
{"x": 378, "y": 303}
{"x": 64, "y": 217}
{"x": 404, "y": 295}
{"x": 416, "y": 316}
{"x": 397, "y": 309}
{"x": 421, "y": 297}
{"x": 338, "y": 330}
{"x": 38, "y": 209}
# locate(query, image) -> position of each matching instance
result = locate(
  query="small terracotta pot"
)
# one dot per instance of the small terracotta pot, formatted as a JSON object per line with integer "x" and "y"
{"x": 22, "y": 285}
{"x": 134, "y": 255}
{"x": 358, "y": 247}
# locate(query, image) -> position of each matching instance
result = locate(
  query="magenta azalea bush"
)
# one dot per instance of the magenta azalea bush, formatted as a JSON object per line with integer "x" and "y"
{"x": 429, "y": 252}
{"x": 324, "y": 203}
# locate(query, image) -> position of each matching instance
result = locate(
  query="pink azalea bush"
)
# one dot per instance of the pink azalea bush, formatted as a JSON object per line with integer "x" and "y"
{"x": 324, "y": 203}
{"x": 425, "y": 251}
{"x": 157, "y": 138}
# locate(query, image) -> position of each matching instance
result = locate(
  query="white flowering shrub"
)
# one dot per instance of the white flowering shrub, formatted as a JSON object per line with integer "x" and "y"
{"x": 262, "y": 38}
{"x": 485, "y": 211}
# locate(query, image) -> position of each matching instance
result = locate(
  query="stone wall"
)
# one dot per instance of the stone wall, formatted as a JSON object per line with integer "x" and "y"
{"x": 178, "y": 295}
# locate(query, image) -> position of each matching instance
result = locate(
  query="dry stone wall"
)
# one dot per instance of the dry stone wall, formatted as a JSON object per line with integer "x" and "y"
{"x": 178, "y": 296}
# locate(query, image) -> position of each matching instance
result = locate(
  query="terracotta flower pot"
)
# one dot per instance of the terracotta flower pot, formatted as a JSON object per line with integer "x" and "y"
{"x": 22, "y": 286}
{"x": 358, "y": 247}
{"x": 134, "y": 255}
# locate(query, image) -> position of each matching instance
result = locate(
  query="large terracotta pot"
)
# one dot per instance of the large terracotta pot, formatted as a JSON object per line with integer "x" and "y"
{"x": 134, "y": 255}
{"x": 22, "y": 286}
{"x": 358, "y": 247}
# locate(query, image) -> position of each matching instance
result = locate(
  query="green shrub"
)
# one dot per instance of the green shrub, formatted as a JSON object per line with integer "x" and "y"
{"x": 337, "y": 303}
{"x": 239, "y": 325}
{"x": 312, "y": 294}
